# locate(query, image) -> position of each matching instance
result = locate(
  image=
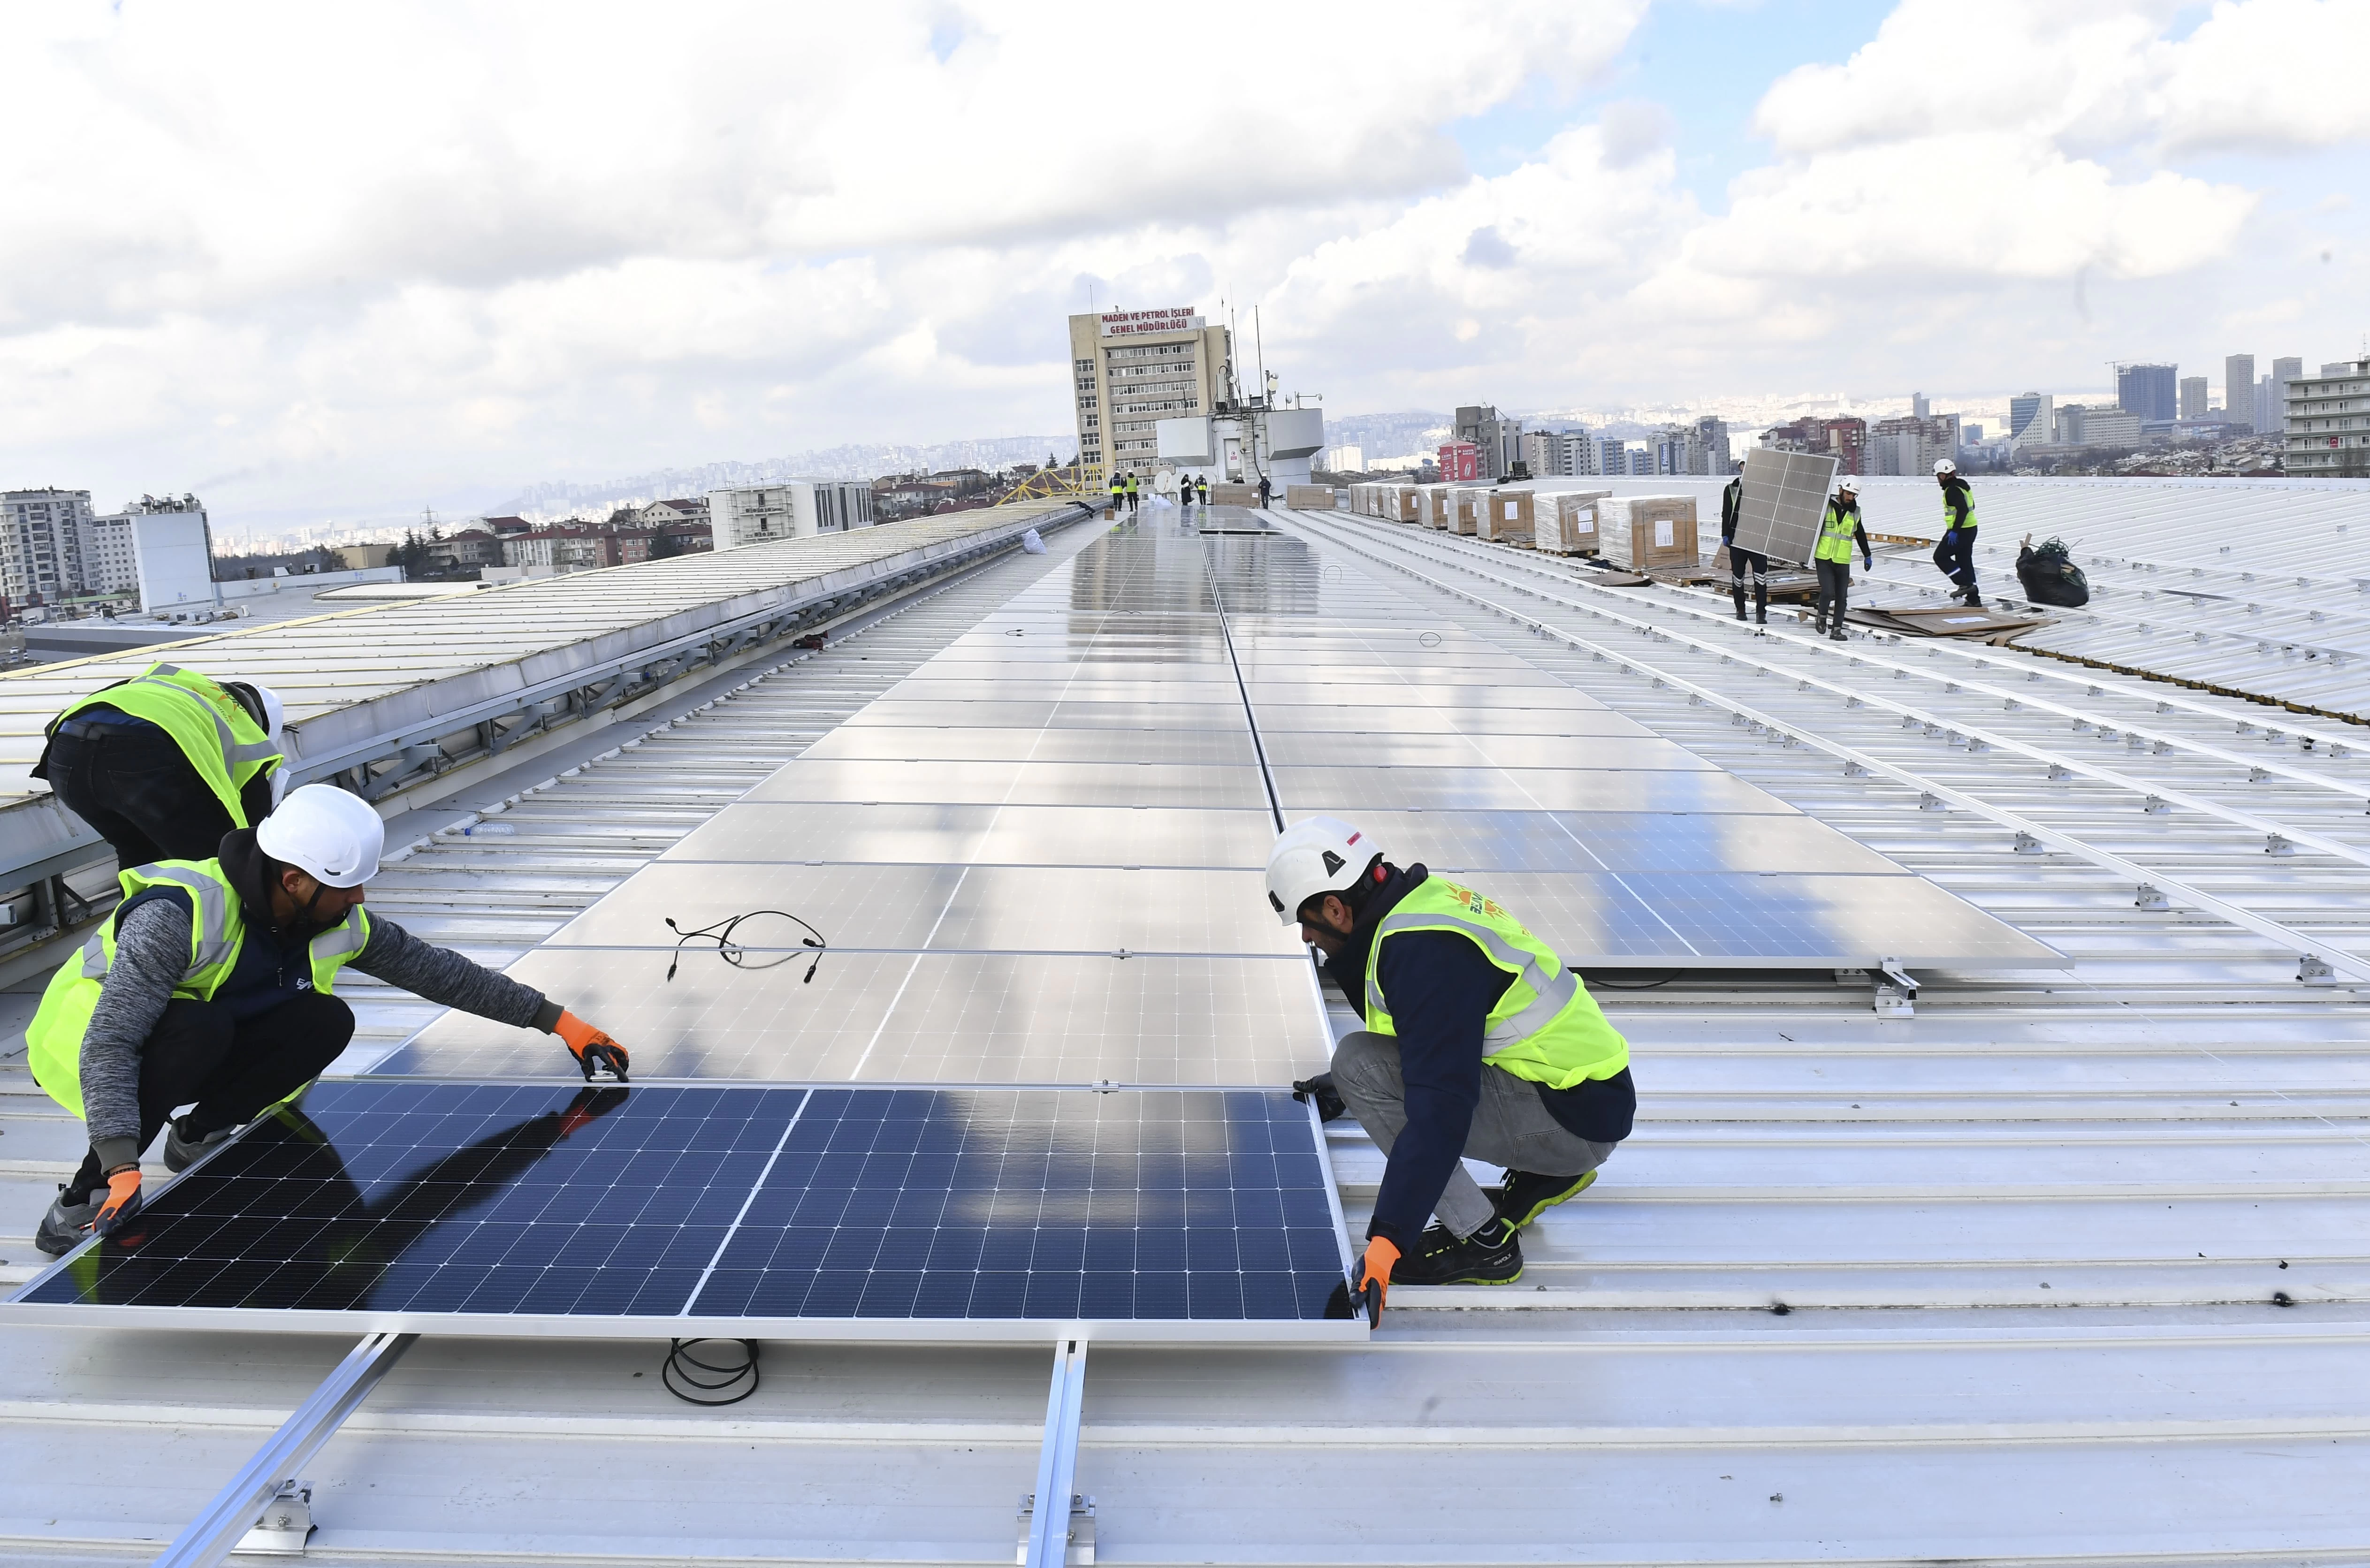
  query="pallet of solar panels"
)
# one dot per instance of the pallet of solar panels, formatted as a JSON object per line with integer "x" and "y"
{"x": 1234, "y": 495}
{"x": 1400, "y": 503}
{"x": 1567, "y": 522}
{"x": 1465, "y": 504}
{"x": 1508, "y": 517}
{"x": 1432, "y": 505}
{"x": 1648, "y": 533}
{"x": 1308, "y": 498}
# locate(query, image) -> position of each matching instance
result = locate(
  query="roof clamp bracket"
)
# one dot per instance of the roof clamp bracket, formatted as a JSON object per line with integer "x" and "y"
{"x": 1853, "y": 769}
{"x": 2150, "y": 897}
{"x": 1929, "y": 802}
{"x": 1080, "y": 1550}
{"x": 2314, "y": 970}
{"x": 286, "y": 1524}
{"x": 1896, "y": 990}
{"x": 2155, "y": 805}
{"x": 2026, "y": 843}
{"x": 2059, "y": 772}
{"x": 2277, "y": 843}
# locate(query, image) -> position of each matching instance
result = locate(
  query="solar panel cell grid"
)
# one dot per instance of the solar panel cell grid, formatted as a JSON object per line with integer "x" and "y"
{"x": 742, "y": 1202}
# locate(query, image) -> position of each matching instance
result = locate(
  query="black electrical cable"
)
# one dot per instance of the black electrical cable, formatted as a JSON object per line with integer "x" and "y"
{"x": 1617, "y": 985}
{"x": 741, "y": 957}
{"x": 682, "y": 1369}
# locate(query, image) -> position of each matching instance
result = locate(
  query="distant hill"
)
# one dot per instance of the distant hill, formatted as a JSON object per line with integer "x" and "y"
{"x": 858, "y": 461}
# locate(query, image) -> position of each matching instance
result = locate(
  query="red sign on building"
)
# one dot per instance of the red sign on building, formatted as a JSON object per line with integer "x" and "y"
{"x": 1460, "y": 460}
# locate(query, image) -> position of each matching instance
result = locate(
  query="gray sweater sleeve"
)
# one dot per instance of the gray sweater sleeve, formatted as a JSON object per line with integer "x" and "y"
{"x": 440, "y": 975}
{"x": 152, "y": 953}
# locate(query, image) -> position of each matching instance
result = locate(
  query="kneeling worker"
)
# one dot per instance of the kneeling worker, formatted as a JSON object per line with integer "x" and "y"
{"x": 213, "y": 982}
{"x": 1478, "y": 1041}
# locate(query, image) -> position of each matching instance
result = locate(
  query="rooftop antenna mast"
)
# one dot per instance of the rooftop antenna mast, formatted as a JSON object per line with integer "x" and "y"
{"x": 1259, "y": 339}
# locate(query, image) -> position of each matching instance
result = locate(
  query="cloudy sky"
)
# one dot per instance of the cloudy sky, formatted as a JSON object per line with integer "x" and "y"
{"x": 330, "y": 261}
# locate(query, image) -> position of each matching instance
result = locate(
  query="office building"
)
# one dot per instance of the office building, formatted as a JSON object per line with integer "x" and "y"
{"x": 2192, "y": 397}
{"x": 2031, "y": 419}
{"x": 2150, "y": 391}
{"x": 1130, "y": 369}
{"x": 790, "y": 509}
{"x": 41, "y": 534}
{"x": 1903, "y": 446}
{"x": 2328, "y": 422}
{"x": 2239, "y": 390}
{"x": 1498, "y": 439}
{"x": 160, "y": 548}
{"x": 1920, "y": 406}
{"x": 2098, "y": 424}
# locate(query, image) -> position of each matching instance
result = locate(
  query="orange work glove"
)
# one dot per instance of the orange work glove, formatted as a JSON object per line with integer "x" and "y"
{"x": 1372, "y": 1279}
{"x": 591, "y": 1048}
{"x": 122, "y": 1203}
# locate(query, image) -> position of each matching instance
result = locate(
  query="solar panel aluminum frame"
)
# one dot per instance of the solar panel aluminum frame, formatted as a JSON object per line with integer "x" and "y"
{"x": 15, "y": 1311}
{"x": 1784, "y": 499}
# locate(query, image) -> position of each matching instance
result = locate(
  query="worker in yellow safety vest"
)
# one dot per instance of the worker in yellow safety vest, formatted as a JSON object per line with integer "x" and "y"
{"x": 164, "y": 764}
{"x": 1839, "y": 531}
{"x": 214, "y": 985}
{"x": 1955, "y": 554}
{"x": 1479, "y": 1044}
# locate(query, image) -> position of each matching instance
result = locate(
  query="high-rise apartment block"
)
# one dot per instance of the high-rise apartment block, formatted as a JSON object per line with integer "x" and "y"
{"x": 2329, "y": 422}
{"x": 2192, "y": 397}
{"x": 1130, "y": 370}
{"x": 2239, "y": 390}
{"x": 1499, "y": 438}
{"x": 2149, "y": 391}
{"x": 1912, "y": 445}
{"x": 42, "y": 537}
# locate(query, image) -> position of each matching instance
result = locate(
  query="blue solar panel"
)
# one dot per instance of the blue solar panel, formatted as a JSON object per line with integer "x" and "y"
{"x": 738, "y": 1202}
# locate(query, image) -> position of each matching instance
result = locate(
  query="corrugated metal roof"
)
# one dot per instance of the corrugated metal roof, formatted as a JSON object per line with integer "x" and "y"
{"x": 2028, "y": 1241}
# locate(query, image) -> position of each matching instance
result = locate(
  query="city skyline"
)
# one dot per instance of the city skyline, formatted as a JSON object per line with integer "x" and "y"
{"x": 485, "y": 254}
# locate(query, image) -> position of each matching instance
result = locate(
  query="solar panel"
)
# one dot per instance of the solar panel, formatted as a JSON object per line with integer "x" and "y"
{"x": 910, "y": 1018}
{"x": 794, "y": 1212}
{"x": 1784, "y": 497}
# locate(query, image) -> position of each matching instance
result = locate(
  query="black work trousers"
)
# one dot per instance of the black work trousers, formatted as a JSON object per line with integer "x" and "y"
{"x": 1834, "y": 591}
{"x": 1955, "y": 556}
{"x": 1738, "y": 562}
{"x": 131, "y": 782}
{"x": 230, "y": 1069}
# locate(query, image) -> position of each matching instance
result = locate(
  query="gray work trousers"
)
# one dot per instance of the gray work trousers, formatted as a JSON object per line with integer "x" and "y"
{"x": 1512, "y": 1126}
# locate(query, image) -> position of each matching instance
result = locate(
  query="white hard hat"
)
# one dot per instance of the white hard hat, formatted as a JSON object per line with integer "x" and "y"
{"x": 1946, "y": 467}
{"x": 1317, "y": 854}
{"x": 1848, "y": 482}
{"x": 275, "y": 712}
{"x": 333, "y": 836}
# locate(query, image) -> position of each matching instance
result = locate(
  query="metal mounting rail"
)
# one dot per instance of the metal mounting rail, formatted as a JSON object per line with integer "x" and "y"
{"x": 1047, "y": 1544}
{"x": 2164, "y": 702}
{"x": 2277, "y": 834}
{"x": 2310, "y": 954}
{"x": 214, "y": 1533}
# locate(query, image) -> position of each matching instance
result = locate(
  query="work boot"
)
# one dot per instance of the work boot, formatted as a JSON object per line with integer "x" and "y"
{"x": 1838, "y": 635}
{"x": 68, "y": 1223}
{"x": 181, "y": 1151}
{"x": 1957, "y": 593}
{"x": 1975, "y": 600}
{"x": 1489, "y": 1256}
{"x": 1761, "y": 604}
{"x": 1524, "y": 1196}
{"x": 1737, "y": 594}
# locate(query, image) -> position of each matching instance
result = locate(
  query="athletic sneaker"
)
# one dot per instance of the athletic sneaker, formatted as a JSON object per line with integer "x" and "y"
{"x": 1489, "y": 1256}
{"x": 181, "y": 1152}
{"x": 1524, "y": 1196}
{"x": 68, "y": 1223}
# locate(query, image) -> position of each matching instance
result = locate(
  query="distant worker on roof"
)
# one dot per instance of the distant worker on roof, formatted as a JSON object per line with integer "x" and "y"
{"x": 1118, "y": 491}
{"x": 1479, "y": 1043}
{"x": 1732, "y": 506}
{"x": 1201, "y": 492}
{"x": 164, "y": 763}
{"x": 1956, "y": 554}
{"x": 214, "y": 985}
{"x": 1839, "y": 530}
{"x": 1133, "y": 491}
